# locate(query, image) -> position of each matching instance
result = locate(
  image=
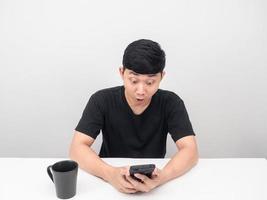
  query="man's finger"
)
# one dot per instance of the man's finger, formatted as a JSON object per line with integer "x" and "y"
{"x": 128, "y": 185}
{"x": 129, "y": 190}
{"x": 142, "y": 177}
{"x": 123, "y": 171}
{"x": 127, "y": 170}
{"x": 139, "y": 186}
{"x": 132, "y": 181}
{"x": 156, "y": 172}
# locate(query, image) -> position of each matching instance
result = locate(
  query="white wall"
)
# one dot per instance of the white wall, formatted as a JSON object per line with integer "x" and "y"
{"x": 54, "y": 54}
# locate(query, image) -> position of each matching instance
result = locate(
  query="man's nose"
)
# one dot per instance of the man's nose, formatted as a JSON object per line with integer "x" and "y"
{"x": 140, "y": 89}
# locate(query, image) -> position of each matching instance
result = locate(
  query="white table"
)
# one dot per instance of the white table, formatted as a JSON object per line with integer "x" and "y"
{"x": 225, "y": 179}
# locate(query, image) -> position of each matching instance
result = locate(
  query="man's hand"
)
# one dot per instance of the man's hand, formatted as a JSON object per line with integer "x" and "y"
{"x": 147, "y": 184}
{"x": 117, "y": 179}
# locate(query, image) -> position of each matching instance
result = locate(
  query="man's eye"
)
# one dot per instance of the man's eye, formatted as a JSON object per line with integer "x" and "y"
{"x": 133, "y": 81}
{"x": 149, "y": 83}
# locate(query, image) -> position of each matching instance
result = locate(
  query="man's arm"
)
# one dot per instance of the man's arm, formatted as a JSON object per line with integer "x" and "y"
{"x": 183, "y": 160}
{"x": 89, "y": 161}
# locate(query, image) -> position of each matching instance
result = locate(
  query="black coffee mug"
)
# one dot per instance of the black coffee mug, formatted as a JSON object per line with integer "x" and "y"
{"x": 64, "y": 175}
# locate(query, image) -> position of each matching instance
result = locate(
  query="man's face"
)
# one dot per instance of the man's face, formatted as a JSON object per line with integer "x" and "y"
{"x": 139, "y": 88}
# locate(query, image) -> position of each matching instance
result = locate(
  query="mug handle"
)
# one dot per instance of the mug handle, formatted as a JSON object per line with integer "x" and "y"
{"x": 49, "y": 172}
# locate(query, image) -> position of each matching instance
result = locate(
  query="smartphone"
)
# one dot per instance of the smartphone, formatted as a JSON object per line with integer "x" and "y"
{"x": 142, "y": 169}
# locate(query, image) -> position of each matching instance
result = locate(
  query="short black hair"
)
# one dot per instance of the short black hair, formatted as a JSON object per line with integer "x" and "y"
{"x": 144, "y": 57}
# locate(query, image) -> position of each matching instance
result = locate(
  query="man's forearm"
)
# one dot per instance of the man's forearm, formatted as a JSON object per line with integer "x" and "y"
{"x": 182, "y": 162}
{"x": 89, "y": 161}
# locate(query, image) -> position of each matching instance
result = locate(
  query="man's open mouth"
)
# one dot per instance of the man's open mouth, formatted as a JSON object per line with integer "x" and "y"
{"x": 139, "y": 99}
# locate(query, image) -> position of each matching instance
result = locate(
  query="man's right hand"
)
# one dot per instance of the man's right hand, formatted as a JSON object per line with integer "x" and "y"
{"x": 117, "y": 178}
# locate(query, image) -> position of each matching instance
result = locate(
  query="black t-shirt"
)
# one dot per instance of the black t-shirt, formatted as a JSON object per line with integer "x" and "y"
{"x": 126, "y": 134}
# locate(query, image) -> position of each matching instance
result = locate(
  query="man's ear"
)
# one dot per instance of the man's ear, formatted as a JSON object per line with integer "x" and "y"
{"x": 121, "y": 70}
{"x": 162, "y": 74}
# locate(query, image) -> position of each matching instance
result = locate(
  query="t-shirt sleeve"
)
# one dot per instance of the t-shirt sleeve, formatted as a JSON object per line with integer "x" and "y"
{"x": 92, "y": 119}
{"x": 178, "y": 121}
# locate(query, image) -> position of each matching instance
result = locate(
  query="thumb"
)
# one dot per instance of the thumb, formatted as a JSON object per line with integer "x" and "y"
{"x": 123, "y": 171}
{"x": 156, "y": 172}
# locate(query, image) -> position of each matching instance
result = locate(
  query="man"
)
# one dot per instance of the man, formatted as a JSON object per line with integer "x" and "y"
{"x": 135, "y": 119}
